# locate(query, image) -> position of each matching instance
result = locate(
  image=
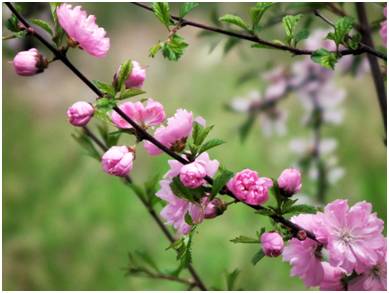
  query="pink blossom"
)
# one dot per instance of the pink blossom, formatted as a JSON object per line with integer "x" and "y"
{"x": 354, "y": 235}
{"x": 383, "y": 29}
{"x": 277, "y": 83}
{"x": 289, "y": 181}
{"x": 137, "y": 76}
{"x": 249, "y": 187}
{"x": 374, "y": 279}
{"x": 176, "y": 208}
{"x": 332, "y": 278}
{"x": 27, "y": 63}
{"x": 83, "y": 29}
{"x": 118, "y": 161}
{"x": 305, "y": 256}
{"x": 174, "y": 134}
{"x": 214, "y": 208}
{"x": 272, "y": 243}
{"x": 192, "y": 175}
{"x": 152, "y": 114}
{"x": 80, "y": 113}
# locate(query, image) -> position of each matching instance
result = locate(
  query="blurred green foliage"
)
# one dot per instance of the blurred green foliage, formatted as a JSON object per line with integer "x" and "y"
{"x": 69, "y": 226}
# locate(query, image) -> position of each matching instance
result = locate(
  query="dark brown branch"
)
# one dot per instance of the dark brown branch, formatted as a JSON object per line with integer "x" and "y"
{"x": 374, "y": 66}
{"x": 141, "y": 133}
{"x": 256, "y": 39}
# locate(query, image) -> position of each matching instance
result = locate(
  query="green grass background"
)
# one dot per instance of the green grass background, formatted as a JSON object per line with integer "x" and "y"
{"x": 69, "y": 226}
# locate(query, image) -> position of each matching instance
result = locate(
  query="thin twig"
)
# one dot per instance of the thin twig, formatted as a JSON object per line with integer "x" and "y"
{"x": 374, "y": 67}
{"x": 256, "y": 39}
{"x": 141, "y": 133}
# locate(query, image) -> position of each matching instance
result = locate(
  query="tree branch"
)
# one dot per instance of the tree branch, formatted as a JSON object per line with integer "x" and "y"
{"x": 141, "y": 133}
{"x": 199, "y": 283}
{"x": 256, "y": 39}
{"x": 374, "y": 67}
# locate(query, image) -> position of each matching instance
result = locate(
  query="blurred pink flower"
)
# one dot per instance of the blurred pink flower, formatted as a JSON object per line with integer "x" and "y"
{"x": 177, "y": 130}
{"x": 383, "y": 29}
{"x": 118, "y": 161}
{"x": 272, "y": 244}
{"x": 277, "y": 80}
{"x": 152, "y": 114}
{"x": 354, "y": 235}
{"x": 247, "y": 186}
{"x": 80, "y": 113}
{"x": 27, "y": 63}
{"x": 83, "y": 29}
{"x": 289, "y": 181}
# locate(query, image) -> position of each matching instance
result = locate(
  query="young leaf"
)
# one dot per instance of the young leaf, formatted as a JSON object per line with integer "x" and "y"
{"x": 128, "y": 93}
{"x": 244, "y": 239}
{"x": 203, "y": 135}
{"x": 87, "y": 145}
{"x": 324, "y": 58}
{"x": 181, "y": 191}
{"x": 211, "y": 144}
{"x": 188, "y": 219}
{"x": 162, "y": 12}
{"x": 43, "y": 25}
{"x": 246, "y": 127}
{"x": 342, "y": 27}
{"x": 155, "y": 49}
{"x": 12, "y": 24}
{"x": 124, "y": 72}
{"x": 301, "y": 209}
{"x": 290, "y": 23}
{"x": 257, "y": 12}
{"x": 231, "y": 279}
{"x": 187, "y": 7}
{"x": 265, "y": 211}
{"x": 220, "y": 180}
{"x": 174, "y": 49}
{"x": 235, "y": 20}
{"x": 301, "y": 35}
{"x": 104, "y": 87}
{"x": 257, "y": 257}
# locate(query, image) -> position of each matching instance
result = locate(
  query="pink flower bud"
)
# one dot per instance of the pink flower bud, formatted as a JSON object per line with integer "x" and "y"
{"x": 289, "y": 181}
{"x": 192, "y": 175}
{"x": 118, "y": 161}
{"x": 80, "y": 113}
{"x": 27, "y": 63}
{"x": 249, "y": 187}
{"x": 135, "y": 79}
{"x": 214, "y": 208}
{"x": 272, "y": 243}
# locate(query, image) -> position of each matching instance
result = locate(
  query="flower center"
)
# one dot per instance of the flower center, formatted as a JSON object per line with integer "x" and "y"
{"x": 346, "y": 236}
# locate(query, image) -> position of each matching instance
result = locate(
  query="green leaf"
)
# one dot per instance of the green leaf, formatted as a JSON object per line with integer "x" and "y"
{"x": 53, "y": 8}
{"x": 246, "y": 127}
{"x": 220, "y": 180}
{"x": 301, "y": 35}
{"x": 148, "y": 260}
{"x": 200, "y": 133}
{"x": 12, "y": 24}
{"x": 342, "y": 27}
{"x": 231, "y": 279}
{"x": 257, "y": 257}
{"x": 128, "y": 93}
{"x": 155, "y": 49}
{"x": 235, "y": 20}
{"x": 265, "y": 212}
{"x": 245, "y": 239}
{"x": 187, "y": 7}
{"x": 290, "y": 23}
{"x": 162, "y": 12}
{"x": 59, "y": 33}
{"x": 211, "y": 144}
{"x": 124, "y": 72}
{"x": 183, "y": 247}
{"x": 104, "y": 87}
{"x": 43, "y": 25}
{"x": 257, "y": 12}
{"x": 86, "y": 143}
{"x": 103, "y": 106}
{"x": 181, "y": 191}
{"x": 301, "y": 209}
{"x": 188, "y": 219}
{"x": 354, "y": 41}
{"x": 324, "y": 58}
{"x": 174, "y": 49}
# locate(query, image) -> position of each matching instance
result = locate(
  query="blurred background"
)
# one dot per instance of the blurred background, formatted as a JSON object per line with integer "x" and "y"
{"x": 69, "y": 226}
